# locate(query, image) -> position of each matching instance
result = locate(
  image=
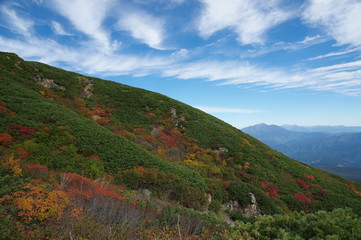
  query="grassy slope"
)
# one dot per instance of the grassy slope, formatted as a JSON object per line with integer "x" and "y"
{"x": 245, "y": 165}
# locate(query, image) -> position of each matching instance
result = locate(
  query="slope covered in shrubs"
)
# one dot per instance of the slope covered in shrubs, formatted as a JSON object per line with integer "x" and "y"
{"x": 55, "y": 123}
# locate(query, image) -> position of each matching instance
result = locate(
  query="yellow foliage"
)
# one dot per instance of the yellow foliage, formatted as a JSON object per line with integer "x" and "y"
{"x": 13, "y": 164}
{"x": 36, "y": 202}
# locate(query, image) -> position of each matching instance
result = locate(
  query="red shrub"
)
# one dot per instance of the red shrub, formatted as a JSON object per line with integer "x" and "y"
{"x": 3, "y": 108}
{"x": 302, "y": 183}
{"x": 103, "y": 121}
{"x": 27, "y": 130}
{"x": 169, "y": 141}
{"x": 270, "y": 189}
{"x": 309, "y": 177}
{"x": 86, "y": 188}
{"x": 37, "y": 170}
{"x": 301, "y": 197}
{"x": 37, "y": 167}
{"x": 23, "y": 153}
{"x": 5, "y": 139}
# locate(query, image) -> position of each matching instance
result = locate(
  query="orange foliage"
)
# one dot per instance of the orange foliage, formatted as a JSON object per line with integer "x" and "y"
{"x": 150, "y": 114}
{"x": 95, "y": 157}
{"x": 35, "y": 202}
{"x": 5, "y": 139}
{"x": 3, "y": 108}
{"x": 140, "y": 170}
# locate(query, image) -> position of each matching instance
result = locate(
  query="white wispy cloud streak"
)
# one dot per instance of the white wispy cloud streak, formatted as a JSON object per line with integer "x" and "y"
{"x": 87, "y": 17}
{"x": 341, "y": 19}
{"x": 16, "y": 23}
{"x": 332, "y": 54}
{"x": 208, "y": 109}
{"x": 286, "y": 46}
{"x": 250, "y": 19}
{"x": 142, "y": 26}
{"x": 58, "y": 29}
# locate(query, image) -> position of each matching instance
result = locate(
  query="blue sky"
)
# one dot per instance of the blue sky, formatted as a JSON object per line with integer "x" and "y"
{"x": 243, "y": 61}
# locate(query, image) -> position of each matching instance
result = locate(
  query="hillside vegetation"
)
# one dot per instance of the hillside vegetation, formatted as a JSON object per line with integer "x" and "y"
{"x": 80, "y": 155}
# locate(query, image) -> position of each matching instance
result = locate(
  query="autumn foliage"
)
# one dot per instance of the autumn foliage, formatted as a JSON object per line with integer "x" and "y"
{"x": 37, "y": 202}
{"x": 302, "y": 198}
{"x": 5, "y": 139}
{"x": 3, "y": 108}
{"x": 270, "y": 189}
{"x": 302, "y": 183}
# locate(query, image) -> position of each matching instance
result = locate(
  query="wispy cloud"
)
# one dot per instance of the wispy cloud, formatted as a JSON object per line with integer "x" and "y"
{"x": 250, "y": 19}
{"x": 58, "y": 29}
{"x": 16, "y": 23}
{"x": 144, "y": 27}
{"x": 333, "y": 54}
{"x": 87, "y": 17}
{"x": 340, "y": 18}
{"x": 308, "y": 41}
{"x": 226, "y": 110}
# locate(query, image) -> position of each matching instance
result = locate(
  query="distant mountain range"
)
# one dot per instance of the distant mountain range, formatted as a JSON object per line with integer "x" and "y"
{"x": 336, "y": 149}
{"x": 325, "y": 129}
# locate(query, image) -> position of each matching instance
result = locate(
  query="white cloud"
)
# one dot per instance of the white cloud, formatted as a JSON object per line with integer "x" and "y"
{"x": 87, "y": 17}
{"x": 58, "y": 29}
{"x": 226, "y": 110}
{"x": 144, "y": 27}
{"x": 250, "y": 19}
{"x": 287, "y": 46}
{"x": 332, "y": 54}
{"x": 340, "y": 18}
{"x": 15, "y": 23}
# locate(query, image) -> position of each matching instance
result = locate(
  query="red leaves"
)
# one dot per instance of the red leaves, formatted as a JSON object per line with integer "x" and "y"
{"x": 5, "y": 139}
{"x": 3, "y": 108}
{"x": 37, "y": 171}
{"x": 83, "y": 187}
{"x": 23, "y": 153}
{"x": 310, "y": 177}
{"x": 37, "y": 167}
{"x": 302, "y": 183}
{"x": 27, "y": 130}
{"x": 169, "y": 141}
{"x": 23, "y": 129}
{"x": 302, "y": 197}
{"x": 270, "y": 189}
{"x": 103, "y": 121}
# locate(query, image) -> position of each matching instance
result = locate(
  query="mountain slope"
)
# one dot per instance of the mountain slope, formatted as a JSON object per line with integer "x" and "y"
{"x": 73, "y": 124}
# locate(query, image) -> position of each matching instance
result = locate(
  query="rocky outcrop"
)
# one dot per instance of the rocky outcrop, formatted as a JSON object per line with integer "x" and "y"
{"x": 87, "y": 91}
{"x": 48, "y": 83}
{"x": 251, "y": 210}
{"x": 177, "y": 119}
